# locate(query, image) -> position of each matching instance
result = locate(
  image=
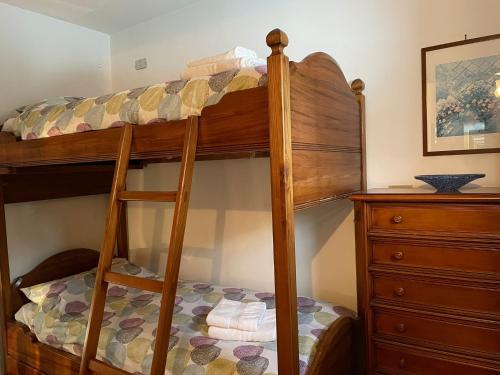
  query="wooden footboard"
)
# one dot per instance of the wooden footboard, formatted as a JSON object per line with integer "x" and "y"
{"x": 27, "y": 356}
{"x": 338, "y": 353}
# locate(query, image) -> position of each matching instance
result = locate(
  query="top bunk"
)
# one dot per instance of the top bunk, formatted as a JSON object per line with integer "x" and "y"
{"x": 327, "y": 132}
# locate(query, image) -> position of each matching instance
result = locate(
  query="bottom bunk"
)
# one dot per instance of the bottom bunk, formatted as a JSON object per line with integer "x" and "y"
{"x": 49, "y": 332}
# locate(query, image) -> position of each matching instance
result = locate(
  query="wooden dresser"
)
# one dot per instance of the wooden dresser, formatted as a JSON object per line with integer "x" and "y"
{"x": 428, "y": 271}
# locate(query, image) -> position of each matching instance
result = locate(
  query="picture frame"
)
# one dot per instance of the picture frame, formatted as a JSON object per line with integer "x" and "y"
{"x": 461, "y": 97}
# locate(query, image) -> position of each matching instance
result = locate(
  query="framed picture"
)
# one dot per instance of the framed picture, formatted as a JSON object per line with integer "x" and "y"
{"x": 461, "y": 97}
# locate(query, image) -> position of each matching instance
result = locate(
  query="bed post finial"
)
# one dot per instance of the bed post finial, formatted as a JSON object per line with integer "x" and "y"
{"x": 358, "y": 86}
{"x": 277, "y": 40}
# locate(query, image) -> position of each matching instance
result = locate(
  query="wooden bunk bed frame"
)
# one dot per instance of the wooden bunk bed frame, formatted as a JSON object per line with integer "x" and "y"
{"x": 308, "y": 119}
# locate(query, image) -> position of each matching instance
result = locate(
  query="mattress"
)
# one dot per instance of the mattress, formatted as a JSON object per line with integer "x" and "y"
{"x": 58, "y": 317}
{"x": 166, "y": 101}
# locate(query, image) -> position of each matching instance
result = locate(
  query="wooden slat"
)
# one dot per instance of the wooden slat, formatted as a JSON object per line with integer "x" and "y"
{"x": 107, "y": 250}
{"x": 20, "y": 187}
{"x": 175, "y": 249}
{"x": 100, "y": 367}
{"x": 282, "y": 204}
{"x": 154, "y": 286}
{"x": 149, "y": 196}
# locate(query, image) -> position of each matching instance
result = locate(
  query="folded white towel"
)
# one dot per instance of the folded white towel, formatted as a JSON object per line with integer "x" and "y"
{"x": 265, "y": 333}
{"x": 237, "y": 315}
{"x": 221, "y": 66}
{"x": 235, "y": 53}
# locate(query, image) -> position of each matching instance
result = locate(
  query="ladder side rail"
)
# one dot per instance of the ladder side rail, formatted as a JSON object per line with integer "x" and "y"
{"x": 107, "y": 250}
{"x": 175, "y": 248}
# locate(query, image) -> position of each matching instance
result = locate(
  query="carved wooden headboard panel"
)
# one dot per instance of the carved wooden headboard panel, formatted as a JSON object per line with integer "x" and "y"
{"x": 327, "y": 131}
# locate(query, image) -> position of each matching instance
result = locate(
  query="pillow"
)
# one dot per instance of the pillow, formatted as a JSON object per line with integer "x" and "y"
{"x": 58, "y": 100}
{"x": 26, "y": 314}
{"x": 79, "y": 287}
{"x": 14, "y": 119}
{"x": 11, "y": 125}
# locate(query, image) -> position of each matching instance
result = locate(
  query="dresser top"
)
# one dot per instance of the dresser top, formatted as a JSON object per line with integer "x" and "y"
{"x": 475, "y": 194}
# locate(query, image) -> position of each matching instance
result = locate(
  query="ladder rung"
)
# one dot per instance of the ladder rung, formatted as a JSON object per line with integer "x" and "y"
{"x": 154, "y": 286}
{"x": 150, "y": 196}
{"x": 100, "y": 367}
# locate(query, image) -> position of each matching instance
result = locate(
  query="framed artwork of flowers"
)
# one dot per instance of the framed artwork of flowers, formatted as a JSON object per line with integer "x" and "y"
{"x": 461, "y": 97}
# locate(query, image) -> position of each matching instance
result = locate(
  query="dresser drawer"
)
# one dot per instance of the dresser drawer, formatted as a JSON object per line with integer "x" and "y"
{"x": 395, "y": 359}
{"x": 454, "y": 333}
{"x": 437, "y": 256}
{"x": 439, "y": 293}
{"x": 436, "y": 218}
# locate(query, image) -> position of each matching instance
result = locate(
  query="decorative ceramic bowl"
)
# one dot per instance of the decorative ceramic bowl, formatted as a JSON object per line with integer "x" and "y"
{"x": 449, "y": 183}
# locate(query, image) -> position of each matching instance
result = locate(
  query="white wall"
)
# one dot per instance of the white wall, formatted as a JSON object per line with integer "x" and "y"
{"x": 42, "y": 57}
{"x": 229, "y": 229}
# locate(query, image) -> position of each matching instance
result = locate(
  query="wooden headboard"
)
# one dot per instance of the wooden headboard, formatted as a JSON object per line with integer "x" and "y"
{"x": 327, "y": 131}
{"x": 61, "y": 265}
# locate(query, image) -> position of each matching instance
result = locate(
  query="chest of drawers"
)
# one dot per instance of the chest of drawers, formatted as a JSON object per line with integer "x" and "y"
{"x": 428, "y": 281}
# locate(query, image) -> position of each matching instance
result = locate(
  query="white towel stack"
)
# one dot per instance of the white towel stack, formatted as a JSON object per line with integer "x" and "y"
{"x": 238, "y": 321}
{"x": 236, "y": 58}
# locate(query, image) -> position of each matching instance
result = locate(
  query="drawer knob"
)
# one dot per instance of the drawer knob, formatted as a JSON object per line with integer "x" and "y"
{"x": 402, "y": 363}
{"x": 398, "y": 255}
{"x": 399, "y": 292}
{"x": 398, "y": 219}
{"x": 401, "y": 327}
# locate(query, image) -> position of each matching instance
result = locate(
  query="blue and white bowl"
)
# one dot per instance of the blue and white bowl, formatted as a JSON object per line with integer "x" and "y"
{"x": 449, "y": 183}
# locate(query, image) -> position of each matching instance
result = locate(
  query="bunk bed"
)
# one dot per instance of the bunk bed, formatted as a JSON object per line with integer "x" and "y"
{"x": 307, "y": 118}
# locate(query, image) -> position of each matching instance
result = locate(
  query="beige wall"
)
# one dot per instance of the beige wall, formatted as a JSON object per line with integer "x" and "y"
{"x": 229, "y": 230}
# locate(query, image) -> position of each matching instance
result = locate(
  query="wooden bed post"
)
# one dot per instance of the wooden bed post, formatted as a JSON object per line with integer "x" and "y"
{"x": 278, "y": 69}
{"x": 358, "y": 86}
{"x": 5, "y": 300}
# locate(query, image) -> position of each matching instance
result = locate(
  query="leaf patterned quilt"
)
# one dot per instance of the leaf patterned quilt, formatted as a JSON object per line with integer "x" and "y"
{"x": 59, "y": 312}
{"x": 169, "y": 101}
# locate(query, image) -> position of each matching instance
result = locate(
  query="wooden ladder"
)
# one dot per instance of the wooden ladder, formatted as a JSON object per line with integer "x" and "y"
{"x": 104, "y": 276}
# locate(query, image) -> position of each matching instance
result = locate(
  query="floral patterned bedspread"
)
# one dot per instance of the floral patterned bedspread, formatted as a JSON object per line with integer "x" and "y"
{"x": 59, "y": 312}
{"x": 164, "y": 101}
